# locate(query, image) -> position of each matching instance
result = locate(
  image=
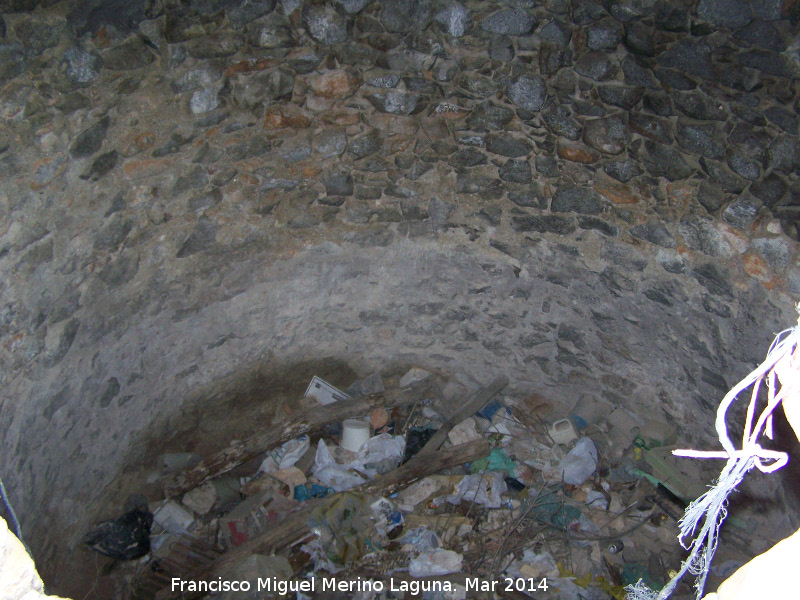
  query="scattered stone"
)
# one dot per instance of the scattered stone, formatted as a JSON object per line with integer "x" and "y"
{"x": 543, "y": 224}
{"x": 405, "y": 16}
{"x": 762, "y": 34}
{"x": 776, "y": 251}
{"x": 604, "y": 35}
{"x": 79, "y": 66}
{"x": 90, "y": 139}
{"x": 397, "y": 102}
{"x": 478, "y": 85}
{"x": 690, "y": 56}
{"x": 671, "y": 261}
{"x": 528, "y": 199}
{"x": 365, "y": 145}
{"x": 454, "y": 19}
{"x": 559, "y": 120}
{"x": 262, "y": 88}
{"x": 665, "y": 161}
{"x": 650, "y": 127}
{"x": 655, "y": 233}
{"x": 701, "y": 235}
{"x": 501, "y": 48}
{"x": 783, "y": 155}
{"x": 205, "y": 200}
{"x": 624, "y": 96}
{"x": 658, "y": 103}
{"x": 487, "y": 188}
{"x": 338, "y": 184}
{"x": 468, "y": 157}
{"x": 585, "y": 12}
{"x": 248, "y": 11}
{"x": 742, "y": 165}
{"x": 528, "y": 93}
{"x": 101, "y": 166}
{"x": 214, "y": 46}
{"x": 742, "y": 212}
{"x": 295, "y": 149}
{"x": 131, "y": 54}
{"x": 638, "y": 75}
{"x": 770, "y": 190}
{"x": 622, "y": 171}
{"x": 547, "y": 166}
{"x": 715, "y": 280}
{"x": 113, "y": 233}
{"x": 638, "y": 39}
{"x": 553, "y": 58}
{"x": 711, "y": 196}
{"x": 608, "y": 135}
{"x": 505, "y": 145}
{"x": 716, "y": 307}
{"x": 578, "y": 154}
{"x": 586, "y": 222}
{"x": 576, "y": 199}
{"x": 783, "y": 118}
{"x": 509, "y": 22}
{"x": 202, "y": 238}
{"x": 702, "y": 139}
{"x": 726, "y": 13}
{"x": 516, "y": 171}
{"x": 330, "y": 143}
{"x": 723, "y": 176}
{"x": 769, "y": 62}
{"x": 556, "y": 32}
{"x": 325, "y": 25}
{"x": 340, "y": 83}
{"x": 698, "y": 106}
{"x": 596, "y": 65}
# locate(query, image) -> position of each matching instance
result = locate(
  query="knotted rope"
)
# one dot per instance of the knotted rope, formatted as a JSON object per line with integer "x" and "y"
{"x": 782, "y": 363}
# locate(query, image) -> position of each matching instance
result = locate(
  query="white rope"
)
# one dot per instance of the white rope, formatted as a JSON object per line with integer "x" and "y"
{"x": 711, "y": 506}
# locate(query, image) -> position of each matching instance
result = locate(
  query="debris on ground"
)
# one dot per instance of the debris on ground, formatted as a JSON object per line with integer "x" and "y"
{"x": 500, "y": 491}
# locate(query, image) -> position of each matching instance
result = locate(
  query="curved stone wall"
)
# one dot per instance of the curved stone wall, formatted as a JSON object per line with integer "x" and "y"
{"x": 202, "y": 203}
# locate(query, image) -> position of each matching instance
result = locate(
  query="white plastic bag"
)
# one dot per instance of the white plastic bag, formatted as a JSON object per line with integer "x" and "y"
{"x": 580, "y": 462}
{"x": 285, "y": 456}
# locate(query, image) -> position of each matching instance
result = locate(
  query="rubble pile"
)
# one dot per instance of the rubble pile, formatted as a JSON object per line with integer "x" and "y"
{"x": 420, "y": 493}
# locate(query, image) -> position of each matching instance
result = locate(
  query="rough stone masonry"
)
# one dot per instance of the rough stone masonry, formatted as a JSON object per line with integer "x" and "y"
{"x": 599, "y": 200}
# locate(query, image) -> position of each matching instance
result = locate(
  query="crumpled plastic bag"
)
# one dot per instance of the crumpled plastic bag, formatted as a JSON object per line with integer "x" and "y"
{"x": 381, "y": 454}
{"x": 422, "y": 538}
{"x": 481, "y": 488}
{"x": 580, "y": 462}
{"x": 285, "y": 456}
{"x": 438, "y": 562}
{"x": 331, "y": 473}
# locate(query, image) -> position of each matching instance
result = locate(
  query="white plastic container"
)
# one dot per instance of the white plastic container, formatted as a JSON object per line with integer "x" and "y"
{"x": 563, "y": 432}
{"x": 355, "y": 434}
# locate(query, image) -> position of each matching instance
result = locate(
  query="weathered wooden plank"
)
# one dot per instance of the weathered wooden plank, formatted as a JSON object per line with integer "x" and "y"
{"x": 480, "y": 399}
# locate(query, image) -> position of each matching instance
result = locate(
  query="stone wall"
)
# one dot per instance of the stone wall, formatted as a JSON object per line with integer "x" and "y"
{"x": 599, "y": 200}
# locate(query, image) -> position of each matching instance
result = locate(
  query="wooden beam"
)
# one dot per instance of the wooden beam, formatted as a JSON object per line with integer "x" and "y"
{"x": 479, "y": 399}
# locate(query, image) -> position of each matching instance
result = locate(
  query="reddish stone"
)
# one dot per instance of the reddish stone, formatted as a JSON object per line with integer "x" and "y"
{"x": 680, "y": 194}
{"x": 282, "y": 116}
{"x": 138, "y": 142}
{"x": 578, "y": 154}
{"x": 147, "y": 167}
{"x": 617, "y": 193}
{"x": 251, "y": 65}
{"x": 755, "y": 266}
{"x": 340, "y": 83}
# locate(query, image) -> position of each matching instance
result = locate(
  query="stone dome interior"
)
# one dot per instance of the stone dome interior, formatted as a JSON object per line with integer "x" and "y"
{"x": 205, "y": 203}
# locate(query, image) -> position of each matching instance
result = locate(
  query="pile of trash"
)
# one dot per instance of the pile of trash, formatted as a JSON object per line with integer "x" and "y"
{"x": 422, "y": 492}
